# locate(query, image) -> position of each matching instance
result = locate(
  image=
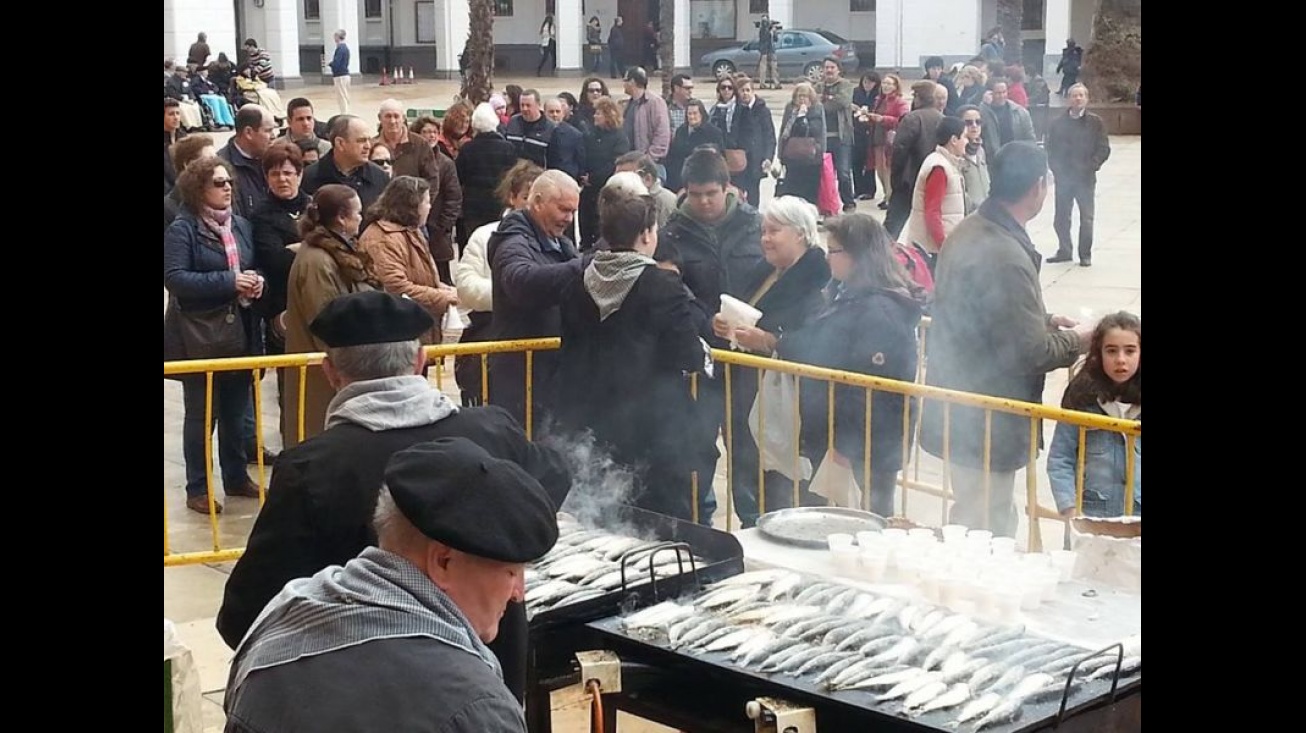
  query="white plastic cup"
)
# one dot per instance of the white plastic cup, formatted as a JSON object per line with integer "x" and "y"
{"x": 867, "y": 539}
{"x": 979, "y": 535}
{"x": 922, "y": 534}
{"x": 1002, "y": 546}
{"x": 1051, "y": 578}
{"x": 1006, "y": 604}
{"x": 1064, "y": 561}
{"x": 1036, "y": 560}
{"x": 909, "y": 567}
{"x": 846, "y": 558}
{"x": 839, "y": 540}
{"x": 954, "y": 533}
{"x": 1031, "y": 592}
{"x": 894, "y": 535}
{"x": 874, "y": 562}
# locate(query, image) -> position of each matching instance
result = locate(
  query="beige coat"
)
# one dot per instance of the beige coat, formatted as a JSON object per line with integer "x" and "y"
{"x": 314, "y": 281}
{"x": 402, "y": 262}
{"x": 954, "y": 200}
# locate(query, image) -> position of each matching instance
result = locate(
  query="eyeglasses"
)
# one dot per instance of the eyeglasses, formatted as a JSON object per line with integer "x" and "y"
{"x": 221, "y": 182}
{"x": 834, "y": 251}
{"x": 594, "y": 90}
{"x": 972, "y": 123}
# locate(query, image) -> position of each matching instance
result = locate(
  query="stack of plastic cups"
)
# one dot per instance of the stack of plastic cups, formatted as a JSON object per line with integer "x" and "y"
{"x": 1002, "y": 547}
{"x": 894, "y": 540}
{"x": 1034, "y": 567}
{"x": 954, "y": 534}
{"x": 1064, "y": 561}
{"x": 874, "y": 549}
{"x": 977, "y": 542}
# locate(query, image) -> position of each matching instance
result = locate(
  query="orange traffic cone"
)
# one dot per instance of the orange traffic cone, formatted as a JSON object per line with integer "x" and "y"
{"x": 385, "y": 77}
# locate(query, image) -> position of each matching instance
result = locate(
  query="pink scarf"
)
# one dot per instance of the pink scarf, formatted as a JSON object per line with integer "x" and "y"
{"x": 220, "y": 221}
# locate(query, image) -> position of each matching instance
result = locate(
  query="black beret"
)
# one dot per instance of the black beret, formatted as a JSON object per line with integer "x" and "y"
{"x": 456, "y": 493}
{"x": 370, "y": 317}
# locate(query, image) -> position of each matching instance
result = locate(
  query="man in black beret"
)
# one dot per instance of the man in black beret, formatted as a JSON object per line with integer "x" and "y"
{"x": 323, "y": 491}
{"x": 394, "y": 639}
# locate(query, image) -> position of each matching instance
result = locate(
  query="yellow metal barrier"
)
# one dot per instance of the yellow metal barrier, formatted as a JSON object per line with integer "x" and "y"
{"x": 729, "y": 360}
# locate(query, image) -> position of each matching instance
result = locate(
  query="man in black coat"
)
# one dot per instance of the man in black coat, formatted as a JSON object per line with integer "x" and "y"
{"x": 347, "y": 163}
{"x": 914, "y": 141}
{"x": 715, "y": 241}
{"x": 567, "y": 150}
{"x": 530, "y": 130}
{"x": 323, "y": 491}
{"x": 531, "y": 264}
{"x": 244, "y": 151}
{"x": 395, "y": 639}
{"x": 481, "y": 165}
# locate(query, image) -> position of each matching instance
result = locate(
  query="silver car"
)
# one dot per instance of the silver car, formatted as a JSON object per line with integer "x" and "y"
{"x": 797, "y": 52}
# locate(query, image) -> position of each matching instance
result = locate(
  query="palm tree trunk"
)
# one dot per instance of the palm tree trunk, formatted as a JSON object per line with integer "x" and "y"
{"x": 1113, "y": 66}
{"x": 667, "y": 43}
{"x": 478, "y": 83}
{"x": 1010, "y": 14}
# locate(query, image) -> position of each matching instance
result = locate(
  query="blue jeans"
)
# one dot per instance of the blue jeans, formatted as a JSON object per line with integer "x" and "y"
{"x": 843, "y": 154}
{"x": 231, "y": 405}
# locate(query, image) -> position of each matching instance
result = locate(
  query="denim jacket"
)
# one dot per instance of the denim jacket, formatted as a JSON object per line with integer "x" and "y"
{"x": 1104, "y": 469}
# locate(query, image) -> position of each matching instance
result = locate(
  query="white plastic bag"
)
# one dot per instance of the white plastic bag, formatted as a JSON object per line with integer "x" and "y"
{"x": 778, "y": 447}
{"x": 836, "y": 483}
{"x": 454, "y": 320}
{"x": 187, "y": 703}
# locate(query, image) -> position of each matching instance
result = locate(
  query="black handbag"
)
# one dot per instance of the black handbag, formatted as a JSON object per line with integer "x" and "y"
{"x": 217, "y": 333}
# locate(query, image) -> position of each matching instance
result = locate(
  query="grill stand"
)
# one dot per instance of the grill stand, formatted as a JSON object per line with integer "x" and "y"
{"x": 773, "y": 715}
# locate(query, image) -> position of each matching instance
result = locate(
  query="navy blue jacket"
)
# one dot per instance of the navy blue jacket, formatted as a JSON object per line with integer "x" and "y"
{"x": 567, "y": 150}
{"x": 340, "y": 61}
{"x": 251, "y": 184}
{"x": 195, "y": 270}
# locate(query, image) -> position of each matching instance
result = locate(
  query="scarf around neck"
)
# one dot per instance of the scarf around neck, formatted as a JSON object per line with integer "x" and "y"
{"x": 389, "y": 403}
{"x": 377, "y": 595}
{"x": 610, "y": 277}
{"x": 355, "y": 264}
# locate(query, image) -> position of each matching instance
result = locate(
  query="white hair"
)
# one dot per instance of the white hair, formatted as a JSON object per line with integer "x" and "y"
{"x": 340, "y": 34}
{"x": 375, "y": 361}
{"x": 394, "y": 104}
{"x": 627, "y": 182}
{"x": 795, "y": 213}
{"x": 555, "y": 101}
{"x": 484, "y": 119}
{"x": 394, "y": 532}
{"x": 551, "y": 184}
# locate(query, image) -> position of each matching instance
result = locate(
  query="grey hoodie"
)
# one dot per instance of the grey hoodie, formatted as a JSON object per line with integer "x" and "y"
{"x": 610, "y": 277}
{"x": 389, "y": 403}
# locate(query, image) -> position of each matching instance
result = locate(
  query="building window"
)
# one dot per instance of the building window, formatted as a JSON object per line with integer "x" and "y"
{"x": 1031, "y": 18}
{"x": 757, "y": 7}
{"x": 312, "y": 10}
{"x": 861, "y": 6}
{"x": 425, "y": 21}
{"x": 503, "y": 8}
{"x": 372, "y": 9}
{"x": 713, "y": 19}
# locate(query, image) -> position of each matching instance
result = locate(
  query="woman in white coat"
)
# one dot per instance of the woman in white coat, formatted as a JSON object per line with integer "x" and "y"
{"x": 471, "y": 275}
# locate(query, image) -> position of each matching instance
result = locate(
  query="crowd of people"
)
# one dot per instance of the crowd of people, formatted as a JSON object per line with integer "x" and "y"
{"x": 621, "y": 226}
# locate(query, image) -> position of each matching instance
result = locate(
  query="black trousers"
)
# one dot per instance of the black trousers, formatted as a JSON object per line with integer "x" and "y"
{"x": 899, "y": 209}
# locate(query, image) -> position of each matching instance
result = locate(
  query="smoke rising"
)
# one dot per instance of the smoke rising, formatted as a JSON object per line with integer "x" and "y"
{"x": 599, "y": 484}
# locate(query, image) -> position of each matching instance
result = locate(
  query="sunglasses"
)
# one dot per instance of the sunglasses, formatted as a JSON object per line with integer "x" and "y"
{"x": 221, "y": 182}
{"x": 724, "y": 87}
{"x": 594, "y": 90}
{"x": 972, "y": 123}
{"x": 386, "y": 162}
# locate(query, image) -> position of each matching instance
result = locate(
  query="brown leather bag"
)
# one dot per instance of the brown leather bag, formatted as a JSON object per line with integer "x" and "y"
{"x": 736, "y": 161}
{"x": 799, "y": 150}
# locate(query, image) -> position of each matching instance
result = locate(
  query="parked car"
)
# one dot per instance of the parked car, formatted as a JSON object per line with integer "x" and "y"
{"x": 798, "y": 53}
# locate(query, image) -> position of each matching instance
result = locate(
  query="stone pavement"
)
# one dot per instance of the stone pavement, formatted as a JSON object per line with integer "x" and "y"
{"x": 193, "y": 594}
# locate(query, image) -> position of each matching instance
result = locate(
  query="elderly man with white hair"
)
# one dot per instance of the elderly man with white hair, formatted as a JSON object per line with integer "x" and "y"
{"x": 787, "y": 287}
{"x": 481, "y": 165}
{"x": 532, "y": 262}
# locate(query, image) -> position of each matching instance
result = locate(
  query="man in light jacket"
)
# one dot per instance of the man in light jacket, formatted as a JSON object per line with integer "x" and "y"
{"x": 647, "y": 121}
{"x": 991, "y": 335}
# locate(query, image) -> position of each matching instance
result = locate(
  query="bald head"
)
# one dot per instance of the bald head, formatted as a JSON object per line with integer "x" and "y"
{"x": 940, "y": 97}
{"x": 555, "y": 109}
{"x": 255, "y": 128}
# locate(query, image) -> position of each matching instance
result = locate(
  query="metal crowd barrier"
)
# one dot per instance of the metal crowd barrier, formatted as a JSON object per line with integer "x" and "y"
{"x": 730, "y": 360}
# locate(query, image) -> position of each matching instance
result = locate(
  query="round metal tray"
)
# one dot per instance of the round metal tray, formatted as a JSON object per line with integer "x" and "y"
{"x": 809, "y": 526}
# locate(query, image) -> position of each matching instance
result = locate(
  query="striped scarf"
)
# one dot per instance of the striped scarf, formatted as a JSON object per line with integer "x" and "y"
{"x": 377, "y": 595}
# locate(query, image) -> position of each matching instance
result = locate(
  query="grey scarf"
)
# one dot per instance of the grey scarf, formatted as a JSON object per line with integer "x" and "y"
{"x": 610, "y": 277}
{"x": 389, "y": 403}
{"x": 377, "y": 595}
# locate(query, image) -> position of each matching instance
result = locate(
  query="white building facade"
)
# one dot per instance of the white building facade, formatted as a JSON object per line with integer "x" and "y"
{"x": 428, "y": 35}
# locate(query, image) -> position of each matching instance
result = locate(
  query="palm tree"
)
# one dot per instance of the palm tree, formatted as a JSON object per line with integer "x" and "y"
{"x": 667, "y": 43}
{"x": 1113, "y": 66}
{"x": 1010, "y": 16}
{"x": 478, "y": 82}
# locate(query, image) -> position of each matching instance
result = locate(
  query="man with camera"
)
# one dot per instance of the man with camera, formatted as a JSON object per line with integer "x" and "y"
{"x": 768, "y": 71}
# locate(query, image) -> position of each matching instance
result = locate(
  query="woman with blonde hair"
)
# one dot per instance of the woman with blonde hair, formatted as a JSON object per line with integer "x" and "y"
{"x": 802, "y": 143}
{"x": 605, "y": 141}
{"x": 970, "y": 85}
